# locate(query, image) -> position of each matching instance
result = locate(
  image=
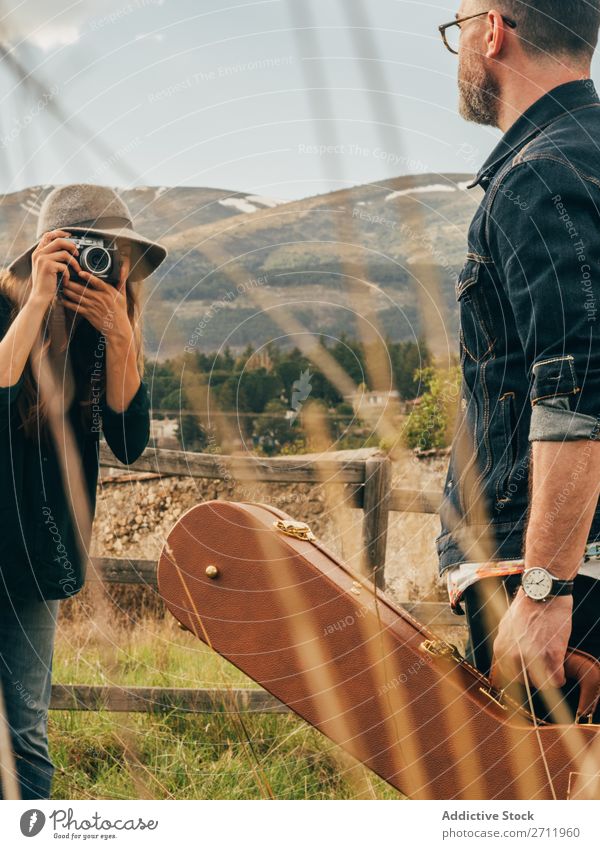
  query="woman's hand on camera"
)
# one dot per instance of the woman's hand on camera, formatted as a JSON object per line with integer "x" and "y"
{"x": 54, "y": 255}
{"x": 102, "y": 304}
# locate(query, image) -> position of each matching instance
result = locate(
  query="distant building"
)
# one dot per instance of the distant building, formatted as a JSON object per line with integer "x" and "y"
{"x": 260, "y": 359}
{"x": 163, "y": 432}
{"x": 372, "y": 400}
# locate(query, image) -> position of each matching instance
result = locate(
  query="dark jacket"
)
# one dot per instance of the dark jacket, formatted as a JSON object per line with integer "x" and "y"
{"x": 39, "y": 557}
{"x": 529, "y": 301}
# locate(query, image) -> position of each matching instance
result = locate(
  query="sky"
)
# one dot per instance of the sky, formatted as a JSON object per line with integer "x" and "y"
{"x": 281, "y": 98}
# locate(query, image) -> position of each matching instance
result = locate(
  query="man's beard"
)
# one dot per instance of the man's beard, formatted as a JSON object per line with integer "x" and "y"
{"x": 479, "y": 92}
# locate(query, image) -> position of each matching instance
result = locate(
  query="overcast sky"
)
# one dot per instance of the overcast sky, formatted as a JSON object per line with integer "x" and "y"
{"x": 283, "y": 98}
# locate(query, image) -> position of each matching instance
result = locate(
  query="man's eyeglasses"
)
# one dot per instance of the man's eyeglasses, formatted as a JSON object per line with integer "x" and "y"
{"x": 451, "y": 31}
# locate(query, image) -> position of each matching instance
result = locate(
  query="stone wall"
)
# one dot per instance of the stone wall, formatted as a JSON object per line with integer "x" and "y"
{"x": 134, "y": 517}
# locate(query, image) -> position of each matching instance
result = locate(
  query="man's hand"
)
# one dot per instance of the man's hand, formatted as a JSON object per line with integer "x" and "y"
{"x": 565, "y": 490}
{"x": 535, "y": 634}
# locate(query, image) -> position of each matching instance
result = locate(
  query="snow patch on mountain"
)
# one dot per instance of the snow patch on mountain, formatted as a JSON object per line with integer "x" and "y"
{"x": 241, "y": 204}
{"x": 422, "y": 190}
{"x": 264, "y": 201}
{"x": 251, "y": 203}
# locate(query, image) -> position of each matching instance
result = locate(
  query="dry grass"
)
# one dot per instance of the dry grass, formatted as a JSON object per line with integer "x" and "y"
{"x": 103, "y": 755}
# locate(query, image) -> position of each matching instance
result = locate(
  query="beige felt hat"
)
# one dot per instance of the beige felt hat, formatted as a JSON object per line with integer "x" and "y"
{"x": 96, "y": 210}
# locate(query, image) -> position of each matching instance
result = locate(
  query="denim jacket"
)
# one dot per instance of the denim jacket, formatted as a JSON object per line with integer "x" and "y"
{"x": 529, "y": 303}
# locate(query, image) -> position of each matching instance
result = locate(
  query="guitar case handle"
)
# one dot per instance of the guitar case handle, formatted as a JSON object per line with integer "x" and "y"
{"x": 585, "y": 670}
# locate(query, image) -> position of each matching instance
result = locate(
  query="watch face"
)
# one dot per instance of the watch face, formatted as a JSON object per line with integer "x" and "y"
{"x": 537, "y": 583}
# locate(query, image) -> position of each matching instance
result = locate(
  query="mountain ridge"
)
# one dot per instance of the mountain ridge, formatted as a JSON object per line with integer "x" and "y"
{"x": 385, "y": 237}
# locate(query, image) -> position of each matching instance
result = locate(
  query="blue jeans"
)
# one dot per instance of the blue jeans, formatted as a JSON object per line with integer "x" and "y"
{"x": 27, "y": 630}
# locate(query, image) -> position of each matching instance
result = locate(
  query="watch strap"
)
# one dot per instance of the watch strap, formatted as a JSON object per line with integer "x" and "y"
{"x": 561, "y": 587}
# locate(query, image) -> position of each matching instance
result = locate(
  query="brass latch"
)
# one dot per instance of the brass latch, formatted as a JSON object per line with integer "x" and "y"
{"x": 494, "y": 696}
{"x": 299, "y": 530}
{"x": 439, "y": 648}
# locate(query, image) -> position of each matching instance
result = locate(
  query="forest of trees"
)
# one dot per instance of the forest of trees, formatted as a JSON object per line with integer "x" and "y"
{"x": 255, "y": 389}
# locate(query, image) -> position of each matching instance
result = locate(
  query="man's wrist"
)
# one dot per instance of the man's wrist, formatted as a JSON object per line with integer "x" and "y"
{"x": 539, "y": 584}
{"x": 561, "y": 571}
{"x": 564, "y": 567}
{"x": 557, "y": 602}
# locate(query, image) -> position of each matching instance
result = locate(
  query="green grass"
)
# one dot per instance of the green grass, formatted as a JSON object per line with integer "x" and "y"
{"x": 109, "y": 755}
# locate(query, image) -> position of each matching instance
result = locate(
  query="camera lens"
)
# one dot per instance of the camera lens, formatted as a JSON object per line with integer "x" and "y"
{"x": 96, "y": 260}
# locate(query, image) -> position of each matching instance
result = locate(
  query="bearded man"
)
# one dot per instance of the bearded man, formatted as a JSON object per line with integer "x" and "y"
{"x": 520, "y": 540}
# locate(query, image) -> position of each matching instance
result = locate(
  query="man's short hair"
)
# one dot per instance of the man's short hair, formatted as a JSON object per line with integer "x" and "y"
{"x": 556, "y": 27}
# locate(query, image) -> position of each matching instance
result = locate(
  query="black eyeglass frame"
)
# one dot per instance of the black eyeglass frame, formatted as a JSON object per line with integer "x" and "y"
{"x": 458, "y": 21}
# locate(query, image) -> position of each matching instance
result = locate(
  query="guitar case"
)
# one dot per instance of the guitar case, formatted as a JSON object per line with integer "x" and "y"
{"x": 257, "y": 587}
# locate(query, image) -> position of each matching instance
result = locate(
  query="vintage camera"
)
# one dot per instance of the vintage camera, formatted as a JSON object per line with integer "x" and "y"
{"x": 97, "y": 255}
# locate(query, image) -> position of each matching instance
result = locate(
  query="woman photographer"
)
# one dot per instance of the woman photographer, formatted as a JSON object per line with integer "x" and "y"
{"x": 70, "y": 367}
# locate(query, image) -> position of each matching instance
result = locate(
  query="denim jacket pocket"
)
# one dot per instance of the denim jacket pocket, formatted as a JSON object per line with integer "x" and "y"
{"x": 554, "y": 377}
{"x": 476, "y": 327}
{"x": 509, "y": 447}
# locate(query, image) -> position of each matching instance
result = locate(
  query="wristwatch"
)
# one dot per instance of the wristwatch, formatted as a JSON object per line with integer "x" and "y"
{"x": 538, "y": 584}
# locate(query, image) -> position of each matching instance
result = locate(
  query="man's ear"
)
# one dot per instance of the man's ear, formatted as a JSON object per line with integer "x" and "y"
{"x": 495, "y": 34}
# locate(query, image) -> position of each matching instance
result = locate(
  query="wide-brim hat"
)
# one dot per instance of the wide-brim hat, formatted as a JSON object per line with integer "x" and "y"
{"x": 80, "y": 208}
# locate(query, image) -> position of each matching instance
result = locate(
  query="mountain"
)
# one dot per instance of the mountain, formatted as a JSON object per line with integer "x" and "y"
{"x": 158, "y": 211}
{"x": 246, "y": 269}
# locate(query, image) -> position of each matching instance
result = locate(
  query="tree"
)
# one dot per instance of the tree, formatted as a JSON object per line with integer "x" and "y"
{"x": 408, "y": 360}
{"x": 274, "y": 431}
{"x": 431, "y": 422}
{"x": 259, "y": 388}
{"x": 191, "y": 434}
{"x": 350, "y": 355}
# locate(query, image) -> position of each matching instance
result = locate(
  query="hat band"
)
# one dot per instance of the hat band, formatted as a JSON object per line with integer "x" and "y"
{"x": 107, "y": 223}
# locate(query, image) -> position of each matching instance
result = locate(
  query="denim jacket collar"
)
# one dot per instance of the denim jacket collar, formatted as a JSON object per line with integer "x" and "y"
{"x": 551, "y": 106}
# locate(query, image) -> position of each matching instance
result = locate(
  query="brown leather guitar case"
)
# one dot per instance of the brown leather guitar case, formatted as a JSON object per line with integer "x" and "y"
{"x": 257, "y": 587}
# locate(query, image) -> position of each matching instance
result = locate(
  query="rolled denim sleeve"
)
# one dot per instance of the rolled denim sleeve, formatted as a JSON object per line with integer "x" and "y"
{"x": 547, "y": 249}
{"x": 554, "y": 421}
{"x": 127, "y": 432}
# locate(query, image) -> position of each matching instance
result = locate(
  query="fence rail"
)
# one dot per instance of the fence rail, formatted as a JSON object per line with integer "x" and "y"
{"x": 120, "y": 570}
{"x": 163, "y": 699}
{"x": 367, "y": 477}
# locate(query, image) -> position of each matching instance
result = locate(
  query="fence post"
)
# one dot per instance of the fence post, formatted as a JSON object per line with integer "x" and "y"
{"x": 376, "y": 507}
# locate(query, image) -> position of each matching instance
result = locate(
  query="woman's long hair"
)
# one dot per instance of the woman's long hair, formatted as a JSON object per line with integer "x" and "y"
{"x": 84, "y": 343}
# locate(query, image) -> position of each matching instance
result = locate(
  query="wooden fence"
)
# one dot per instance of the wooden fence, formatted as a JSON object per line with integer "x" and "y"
{"x": 367, "y": 476}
